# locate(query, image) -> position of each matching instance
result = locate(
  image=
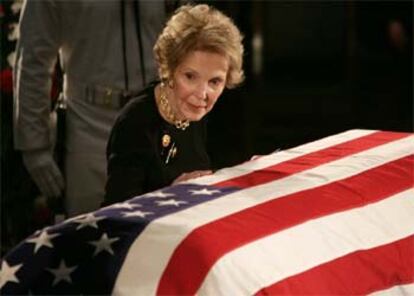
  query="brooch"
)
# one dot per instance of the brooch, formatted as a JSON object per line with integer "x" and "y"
{"x": 166, "y": 140}
{"x": 169, "y": 148}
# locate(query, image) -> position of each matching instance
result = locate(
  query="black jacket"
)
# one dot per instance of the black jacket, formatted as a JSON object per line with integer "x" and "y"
{"x": 137, "y": 159}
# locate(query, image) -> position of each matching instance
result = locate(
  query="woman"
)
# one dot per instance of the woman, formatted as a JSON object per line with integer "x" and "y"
{"x": 159, "y": 137}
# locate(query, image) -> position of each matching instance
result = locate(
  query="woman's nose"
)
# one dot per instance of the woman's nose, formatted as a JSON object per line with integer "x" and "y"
{"x": 201, "y": 91}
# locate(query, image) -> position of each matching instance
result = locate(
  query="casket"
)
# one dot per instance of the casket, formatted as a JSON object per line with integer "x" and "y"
{"x": 334, "y": 216}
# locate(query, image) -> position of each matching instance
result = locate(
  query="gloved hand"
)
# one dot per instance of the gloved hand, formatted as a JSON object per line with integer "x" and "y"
{"x": 44, "y": 172}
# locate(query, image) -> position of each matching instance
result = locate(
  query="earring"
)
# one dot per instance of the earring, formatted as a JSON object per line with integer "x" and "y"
{"x": 170, "y": 83}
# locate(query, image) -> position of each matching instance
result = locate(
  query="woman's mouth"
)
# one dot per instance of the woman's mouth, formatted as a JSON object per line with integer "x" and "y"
{"x": 198, "y": 106}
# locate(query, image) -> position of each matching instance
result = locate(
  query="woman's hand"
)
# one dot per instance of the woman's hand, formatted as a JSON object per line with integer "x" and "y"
{"x": 254, "y": 157}
{"x": 191, "y": 175}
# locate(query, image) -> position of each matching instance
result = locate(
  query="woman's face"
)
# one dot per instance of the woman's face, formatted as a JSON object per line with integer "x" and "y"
{"x": 198, "y": 82}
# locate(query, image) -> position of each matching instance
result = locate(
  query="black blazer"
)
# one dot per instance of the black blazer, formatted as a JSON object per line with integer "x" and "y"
{"x": 137, "y": 159}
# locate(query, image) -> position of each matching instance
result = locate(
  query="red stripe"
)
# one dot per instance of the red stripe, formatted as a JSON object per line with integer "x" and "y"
{"x": 361, "y": 272}
{"x": 301, "y": 163}
{"x": 195, "y": 256}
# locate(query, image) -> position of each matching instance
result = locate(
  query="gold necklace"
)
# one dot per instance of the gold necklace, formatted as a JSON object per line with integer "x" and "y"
{"x": 168, "y": 112}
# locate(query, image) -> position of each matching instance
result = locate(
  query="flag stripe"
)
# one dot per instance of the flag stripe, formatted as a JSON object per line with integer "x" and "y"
{"x": 313, "y": 159}
{"x": 397, "y": 290}
{"x": 297, "y": 249}
{"x": 275, "y": 215}
{"x": 361, "y": 272}
{"x": 281, "y": 156}
{"x": 150, "y": 253}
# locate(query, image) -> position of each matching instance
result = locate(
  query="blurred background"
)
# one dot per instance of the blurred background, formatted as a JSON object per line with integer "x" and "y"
{"x": 313, "y": 69}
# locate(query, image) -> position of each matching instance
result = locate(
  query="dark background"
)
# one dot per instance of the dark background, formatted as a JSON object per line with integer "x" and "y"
{"x": 327, "y": 66}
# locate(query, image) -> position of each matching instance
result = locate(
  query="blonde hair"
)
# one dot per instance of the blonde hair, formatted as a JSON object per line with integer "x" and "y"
{"x": 199, "y": 27}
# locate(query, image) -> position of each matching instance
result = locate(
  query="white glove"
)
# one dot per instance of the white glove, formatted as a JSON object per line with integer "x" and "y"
{"x": 44, "y": 172}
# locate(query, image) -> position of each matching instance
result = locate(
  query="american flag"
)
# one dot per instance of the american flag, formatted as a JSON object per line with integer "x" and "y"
{"x": 334, "y": 216}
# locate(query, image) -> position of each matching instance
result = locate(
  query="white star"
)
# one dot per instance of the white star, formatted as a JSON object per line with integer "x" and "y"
{"x": 170, "y": 202}
{"x": 140, "y": 214}
{"x": 203, "y": 191}
{"x": 124, "y": 205}
{"x": 158, "y": 194}
{"x": 62, "y": 273}
{"x": 104, "y": 244}
{"x": 44, "y": 239}
{"x": 7, "y": 273}
{"x": 88, "y": 220}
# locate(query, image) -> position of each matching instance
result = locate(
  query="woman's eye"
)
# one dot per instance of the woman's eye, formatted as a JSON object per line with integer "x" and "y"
{"x": 216, "y": 82}
{"x": 189, "y": 76}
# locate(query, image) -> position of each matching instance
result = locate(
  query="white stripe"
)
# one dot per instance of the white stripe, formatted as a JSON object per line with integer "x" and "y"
{"x": 150, "y": 253}
{"x": 279, "y": 157}
{"x": 297, "y": 249}
{"x": 403, "y": 290}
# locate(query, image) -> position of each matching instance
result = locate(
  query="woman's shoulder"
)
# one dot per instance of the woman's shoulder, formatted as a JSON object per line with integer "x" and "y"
{"x": 134, "y": 123}
{"x": 140, "y": 107}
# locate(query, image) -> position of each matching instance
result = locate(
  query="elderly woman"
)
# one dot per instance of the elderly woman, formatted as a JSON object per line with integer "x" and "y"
{"x": 159, "y": 137}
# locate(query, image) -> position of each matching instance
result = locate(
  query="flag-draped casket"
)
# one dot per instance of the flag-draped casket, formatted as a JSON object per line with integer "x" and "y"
{"x": 334, "y": 216}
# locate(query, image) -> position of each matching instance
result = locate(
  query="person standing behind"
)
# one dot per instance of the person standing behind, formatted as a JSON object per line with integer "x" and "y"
{"x": 104, "y": 49}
